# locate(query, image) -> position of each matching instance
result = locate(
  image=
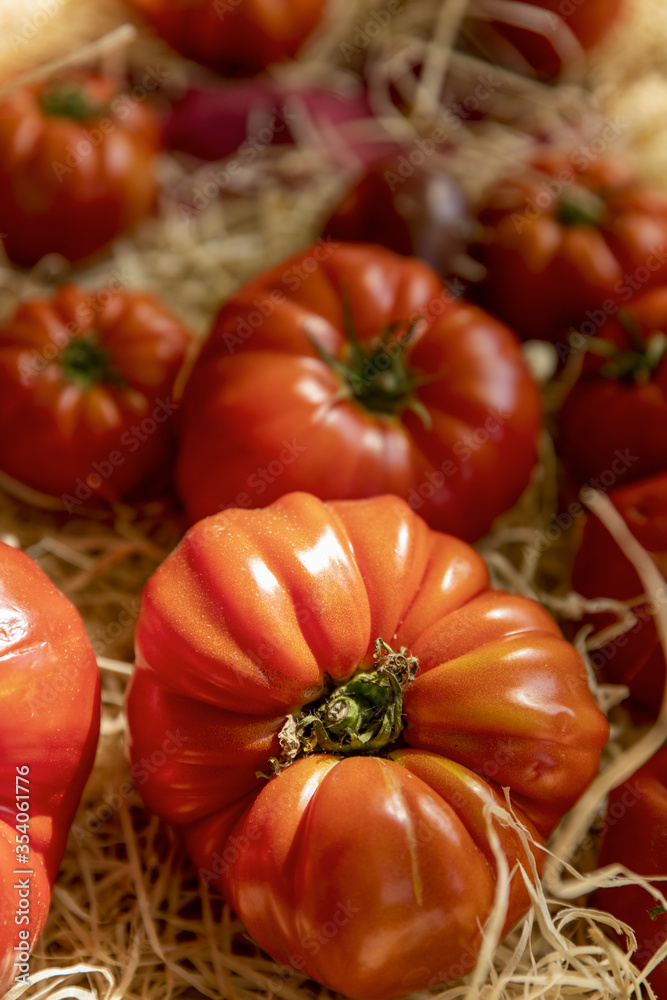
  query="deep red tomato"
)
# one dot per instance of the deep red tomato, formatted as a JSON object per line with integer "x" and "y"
{"x": 76, "y": 166}
{"x": 49, "y": 725}
{"x": 602, "y": 570}
{"x": 548, "y": 40}
{"x": 417, "y": 210}
{"x": 567, "y": 240}
{"x": 619, "y": 403}
{"x": 87, "y": 393}
{"x": 234, "y": 36}
{"x": 349, "y": 371}
{"x": 366, "y": 861}
{"x": 635, "y": 835}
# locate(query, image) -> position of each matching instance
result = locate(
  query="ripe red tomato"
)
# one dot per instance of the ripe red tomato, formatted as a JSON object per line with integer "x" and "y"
{"x": 418, "y": 211}
{"x": 234, "y": 37}
{"x": 87, "y": 393}
{"x": 266, "y": 637}
{"x": 548, "y": 40}
{"x": 49, "y": 725}
{"x": 76, "y": 166}
{"x": 349, "y": 371}
{"x": 619, "y": 403}
{"x": 566, "y": 241}
{"x": 602, "y": 570}
{"x": 635, "y": 835}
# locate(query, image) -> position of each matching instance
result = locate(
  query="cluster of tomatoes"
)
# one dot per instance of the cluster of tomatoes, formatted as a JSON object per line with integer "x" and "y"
{"x": 324, "y": 639}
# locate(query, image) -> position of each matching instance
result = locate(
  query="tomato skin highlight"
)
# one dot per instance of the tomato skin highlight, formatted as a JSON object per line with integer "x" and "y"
{"x": 264, "y": 415}
{"x": 71, "y": 183}
{"x": 602, "y": 570}
{"x": 50, "y": 721}
{"x": 566, "y": 243}
{"x": 234, "y": 38}
{"x": 331, "y": 860}
{"x": 635, "y": 835}
{"x": 91, "y": 381}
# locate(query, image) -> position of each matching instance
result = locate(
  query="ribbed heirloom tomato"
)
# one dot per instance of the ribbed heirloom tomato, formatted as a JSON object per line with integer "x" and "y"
{"x": 618, "y": 405}
{"x": 349, "y": 371}
{"x": 88, "y": 392}
{"x": 359, "y": 661}
{"x": 76, "y": 166}
{"x": 49, "y": 724}
{"x": 567, "y": 240}
{"x": 234, "y": 36}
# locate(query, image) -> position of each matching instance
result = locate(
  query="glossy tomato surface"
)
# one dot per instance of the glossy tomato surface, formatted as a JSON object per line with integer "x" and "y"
{"x": 602, "y": 570}
{"x": 566, "y": 241}
{"x": 246, "y": 625}
{"x": 547, "y": 37}
{"x": 349, "y": 371}
{"x": 635, "y": 835}
{"x": 234, "y": 36}
{"x": 76, "y": 166}
{"x": 618, "y": 406}
{"x": 49, "y": 724}
{"x": 87, "y": 394}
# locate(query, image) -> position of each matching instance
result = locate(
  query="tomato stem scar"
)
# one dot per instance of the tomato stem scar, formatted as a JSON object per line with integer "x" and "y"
{"x": 361, "y": 716}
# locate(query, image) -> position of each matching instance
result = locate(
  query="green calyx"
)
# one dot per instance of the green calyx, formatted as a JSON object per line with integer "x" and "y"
{"x": 85, "y": 362}
{"x": 657, "y": 911}
{"x": 360, "y": 717}
{"x": 635, "y": 364}
{"x": 66, "y": 99}
{"x": 579, "y": 206}
{"x": 375, "y": 373}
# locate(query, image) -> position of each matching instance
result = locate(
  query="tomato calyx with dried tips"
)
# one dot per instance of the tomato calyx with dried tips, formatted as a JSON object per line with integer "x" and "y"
{"x": 85, "y": 362}
{"x": 376, "y": 374}
{"x": 67, "y": 99}
{"x": 636, "y": 364}
{"x": 365, "y": 715}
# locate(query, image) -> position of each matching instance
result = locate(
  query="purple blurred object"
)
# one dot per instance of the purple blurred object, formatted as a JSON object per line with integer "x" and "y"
{"x": 213, "y": 121}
